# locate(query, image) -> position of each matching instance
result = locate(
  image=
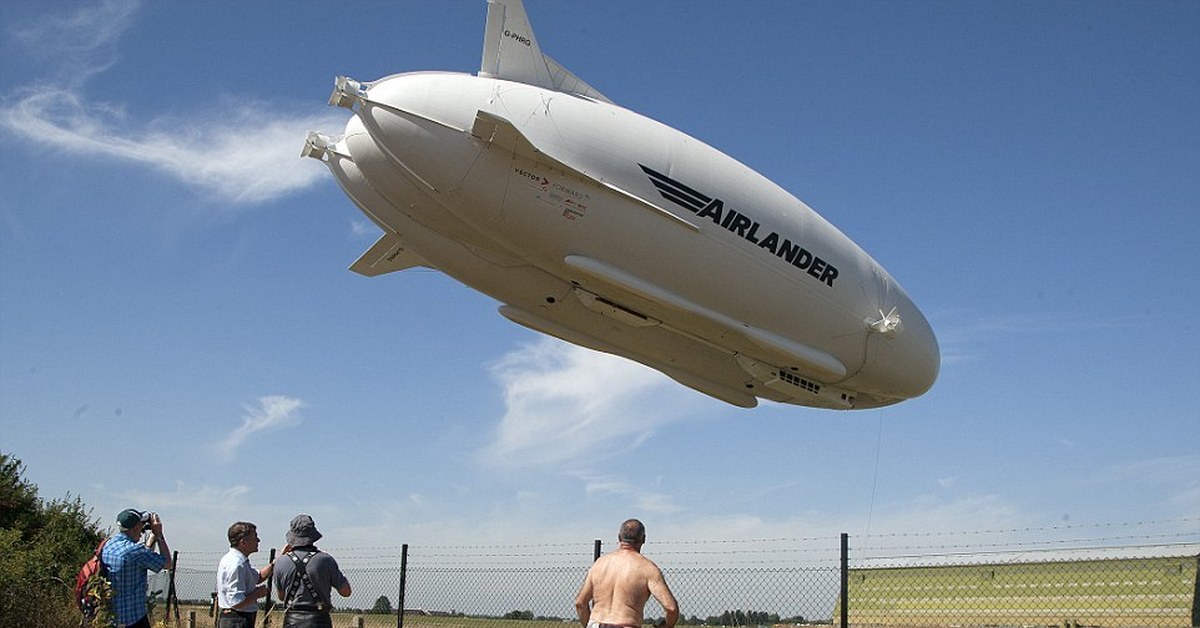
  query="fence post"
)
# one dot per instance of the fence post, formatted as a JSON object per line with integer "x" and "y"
{"x": 845, "y": 619}
{"x": 268, "y": 605}
{"x": 403, "y": 582}
{"x": 171, "y": 588}
{"x": 596, "y": 551}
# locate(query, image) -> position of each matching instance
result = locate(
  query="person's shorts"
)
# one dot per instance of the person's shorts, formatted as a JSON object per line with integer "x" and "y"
{"x": 307, "y": 619}
{"x": 235, "y": 619}
{"x": 595, "y": 624}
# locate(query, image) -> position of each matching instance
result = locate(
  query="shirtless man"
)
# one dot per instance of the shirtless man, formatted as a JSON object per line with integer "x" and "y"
{"x": 620, "y": 582}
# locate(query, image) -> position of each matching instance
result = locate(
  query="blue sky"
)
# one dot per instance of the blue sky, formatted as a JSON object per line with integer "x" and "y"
{"x": 178, "y": 330}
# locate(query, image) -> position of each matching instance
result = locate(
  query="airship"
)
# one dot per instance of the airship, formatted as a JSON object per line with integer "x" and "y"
{"x": 609, "y": 230}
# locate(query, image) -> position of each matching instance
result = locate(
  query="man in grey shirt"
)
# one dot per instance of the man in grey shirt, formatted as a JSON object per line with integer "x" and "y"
{"x": 304, "y": 577}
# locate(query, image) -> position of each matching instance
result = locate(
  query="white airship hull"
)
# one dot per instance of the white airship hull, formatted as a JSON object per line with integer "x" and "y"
{"x": 610, "y": 230}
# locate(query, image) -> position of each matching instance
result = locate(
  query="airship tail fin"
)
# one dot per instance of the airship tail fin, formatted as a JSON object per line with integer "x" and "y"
{"x": 388, "y": 254}
{"x": 511, "y": 52}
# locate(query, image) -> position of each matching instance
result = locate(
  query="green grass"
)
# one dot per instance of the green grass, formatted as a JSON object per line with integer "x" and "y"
{"x": 1154, "y": 591}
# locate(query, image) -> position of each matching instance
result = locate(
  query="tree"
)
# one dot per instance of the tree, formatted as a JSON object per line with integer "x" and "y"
{"x": 42, "y": 546}
{"x": 383, "y": 606}
{"x": 18, "y": 498}
{"x": 743, "y": 618}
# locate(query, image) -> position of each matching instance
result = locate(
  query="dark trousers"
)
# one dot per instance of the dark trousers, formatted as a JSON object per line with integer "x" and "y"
{"x": 235, "y": 619}
{"x": 307, "y": 619}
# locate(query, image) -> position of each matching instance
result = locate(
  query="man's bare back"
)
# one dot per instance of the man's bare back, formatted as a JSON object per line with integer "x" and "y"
{"x": 618, "y": 586}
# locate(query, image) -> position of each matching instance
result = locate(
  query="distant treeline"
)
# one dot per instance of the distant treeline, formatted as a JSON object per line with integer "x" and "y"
{"x": 742, "y": 618}
{"x": 727, "y": 618}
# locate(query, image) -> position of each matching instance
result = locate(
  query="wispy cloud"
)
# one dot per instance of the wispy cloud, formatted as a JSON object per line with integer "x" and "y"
{"x": 187, "y": 496}
{"x": 80, "y": 44}
{"x": 200, "y": 513}
{"x": 638, "y": 497}
{"x": 241, "y": 153}
{"x": 1174, "y": 480}
{"x": 273, "y": 412}
{"x": 565, "y": 403}
{"x": 960, "y": 333}
{"x": 364, "y": 228}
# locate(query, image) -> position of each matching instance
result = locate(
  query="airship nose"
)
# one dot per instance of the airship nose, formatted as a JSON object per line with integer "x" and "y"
{"x": 915, "y": 359}
{"x": 902, "y": 358}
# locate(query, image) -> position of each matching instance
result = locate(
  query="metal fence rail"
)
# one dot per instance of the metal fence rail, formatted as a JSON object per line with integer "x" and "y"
{"x": 779, "y": 582}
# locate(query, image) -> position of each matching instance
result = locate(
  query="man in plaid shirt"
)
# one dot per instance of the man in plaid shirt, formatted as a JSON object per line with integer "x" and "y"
{"x": 128, "y": 559}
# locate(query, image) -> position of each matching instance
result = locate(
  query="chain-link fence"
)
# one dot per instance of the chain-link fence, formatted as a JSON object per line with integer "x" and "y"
{"x": 778, "y": 582}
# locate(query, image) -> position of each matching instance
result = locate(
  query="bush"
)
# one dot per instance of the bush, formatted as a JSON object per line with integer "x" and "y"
{"x": 42, "y": 545}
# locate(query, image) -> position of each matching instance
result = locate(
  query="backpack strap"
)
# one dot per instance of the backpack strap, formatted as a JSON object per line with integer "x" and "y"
{"x": 86, "y": 603}
{"x": 300, "y": 575}
{"x": 100, "y": 558}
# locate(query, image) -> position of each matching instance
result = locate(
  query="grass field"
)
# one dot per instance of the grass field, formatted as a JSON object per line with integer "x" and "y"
{"x": 1121, "y": 592}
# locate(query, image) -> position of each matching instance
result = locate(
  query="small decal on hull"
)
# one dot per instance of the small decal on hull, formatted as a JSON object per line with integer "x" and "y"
{"x": 564, "y": 199}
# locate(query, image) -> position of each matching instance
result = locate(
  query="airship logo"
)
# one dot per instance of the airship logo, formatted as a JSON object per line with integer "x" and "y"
{"x": 742, "y": 225}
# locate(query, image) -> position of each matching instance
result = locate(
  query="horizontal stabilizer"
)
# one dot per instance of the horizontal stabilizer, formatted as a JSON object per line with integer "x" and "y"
{"x": 498, "y": 131}
{"x": 511, "y": 52}
{"x": 388, "y": 254}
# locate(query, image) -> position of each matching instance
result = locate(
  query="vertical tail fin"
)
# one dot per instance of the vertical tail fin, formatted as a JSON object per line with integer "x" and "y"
{"x": 511, "y": 52}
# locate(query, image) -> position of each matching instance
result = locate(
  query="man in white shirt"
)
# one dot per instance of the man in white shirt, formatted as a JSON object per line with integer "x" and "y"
{"x": 239, "y": 585}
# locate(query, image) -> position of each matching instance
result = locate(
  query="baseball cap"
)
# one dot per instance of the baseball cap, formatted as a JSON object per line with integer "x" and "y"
{"x": 130, "y": 517}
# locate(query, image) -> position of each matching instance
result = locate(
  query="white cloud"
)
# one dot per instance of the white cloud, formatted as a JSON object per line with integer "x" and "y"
{"x": 186, "y": 497}
{"x": 241, "y": 153}
{"x": 1162, "y": 470}
{"x": 565, "y": 403}
{"x": 196, "y": 516}
{"x": 961, "y": 333}
{"x": 1170, "y": 480}
{"x": 1187, "y": 500}
{"x": 918, "y": 525}
{"x": 80, "y": 44}
{"x": 639, "y": 498}
{"x": 273, "y": 412}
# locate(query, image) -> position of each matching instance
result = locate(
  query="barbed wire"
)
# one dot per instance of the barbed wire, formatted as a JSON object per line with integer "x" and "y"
{"x": 1022, "y": 544}
{"x": 743, "y": 547}
{"x": 1051, "y": 528}
{"x": 1066, "y": 551}
{"x": 821, "y": 539}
